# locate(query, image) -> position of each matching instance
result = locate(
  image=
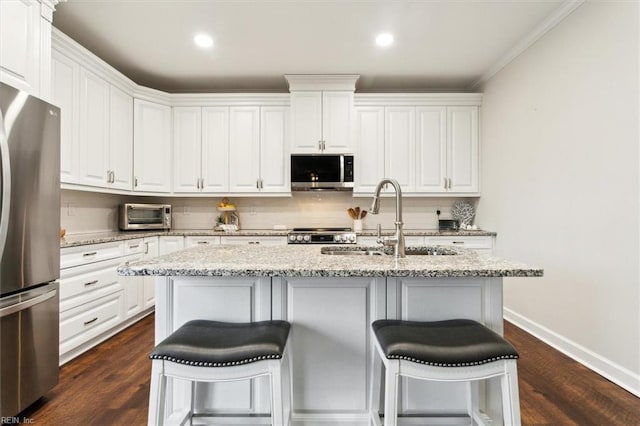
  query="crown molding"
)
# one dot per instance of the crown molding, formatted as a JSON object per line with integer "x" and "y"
{"x": 225, "y": 99}
{"x": 558, "y": 15}
{"x": 322, "y": 81}
{"x": 417, "y": 99}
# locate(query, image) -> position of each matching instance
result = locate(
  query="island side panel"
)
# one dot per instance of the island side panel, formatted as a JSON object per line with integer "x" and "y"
{"x": 233, "y": 299}
{"x": 331, "y": 346}
{"x": 434, "y": 299}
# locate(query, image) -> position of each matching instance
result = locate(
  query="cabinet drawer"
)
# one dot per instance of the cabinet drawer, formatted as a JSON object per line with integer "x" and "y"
{"x": 87, "y": 321}
{"x": 82, "y": 255}
{"x": 81, "y": 284}
{"x": 133, "y": 246}
{"x": 265, "y": 241}
{"x": 195, "y": 241}
{"x": 466, "y": 242}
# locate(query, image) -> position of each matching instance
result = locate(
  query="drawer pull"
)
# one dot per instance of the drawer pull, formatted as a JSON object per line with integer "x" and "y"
{"x": 91, "y": 321}
{"x": 93, "y": 253}
{"x": 458, "y": 242}
{"x": 91, "y": 283}
{"x": 134, "y": 247}
{"x": 254, "y": 242}
{"x": 203, "y": 242}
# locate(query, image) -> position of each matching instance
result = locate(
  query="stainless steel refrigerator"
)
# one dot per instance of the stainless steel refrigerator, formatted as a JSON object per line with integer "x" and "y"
{"x": 29, "y": 248}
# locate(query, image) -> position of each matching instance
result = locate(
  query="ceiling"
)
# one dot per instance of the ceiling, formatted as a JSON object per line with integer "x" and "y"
{"x": 440, "y": 45}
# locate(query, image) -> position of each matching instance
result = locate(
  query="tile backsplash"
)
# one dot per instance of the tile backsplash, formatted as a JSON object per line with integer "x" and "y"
{"x": 85, "y": 212}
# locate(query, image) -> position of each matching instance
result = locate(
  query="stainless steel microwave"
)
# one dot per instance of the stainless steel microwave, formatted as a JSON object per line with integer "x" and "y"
{"x": 136, "y": 217}
{"x": 321, "y": 171}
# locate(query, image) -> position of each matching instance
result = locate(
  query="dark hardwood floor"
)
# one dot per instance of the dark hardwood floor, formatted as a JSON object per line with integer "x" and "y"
{"x": 109, "y": 385}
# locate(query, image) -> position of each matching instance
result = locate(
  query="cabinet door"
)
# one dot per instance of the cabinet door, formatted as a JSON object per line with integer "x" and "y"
{"x": 133, "y": 287}
{"x": 431, "y": 149}
{"x": 337, "y": 116}
{"x": 244, "y": 149}
{"x": 121, "y": 139}
{"x": 65, "y": 76}
{"x": 215, "y": 149}
{"x": 170, "y": 244}
{"x": 94, "y": 129}
{"x": 151, "y": 147}
{"x": 20, "y": 44}
{"x": 306, "y": 117}
{"x": 187, "y": 152}
{"x": 151, "y": 250}
{"x": 369, "y": 166}
{"x": 274, "y": 155}
{"x": 400, "y": 146}
{"x": 462, "y": 143}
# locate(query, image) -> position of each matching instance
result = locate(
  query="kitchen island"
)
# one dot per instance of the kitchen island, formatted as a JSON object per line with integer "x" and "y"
{"x": 330, "y": 301}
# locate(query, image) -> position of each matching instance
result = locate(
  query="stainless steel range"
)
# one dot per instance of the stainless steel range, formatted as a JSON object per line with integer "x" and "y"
{"x": 321, "y": 236}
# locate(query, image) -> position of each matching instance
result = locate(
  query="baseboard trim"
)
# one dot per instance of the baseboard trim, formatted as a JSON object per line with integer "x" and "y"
{"x": 608, "y": 369}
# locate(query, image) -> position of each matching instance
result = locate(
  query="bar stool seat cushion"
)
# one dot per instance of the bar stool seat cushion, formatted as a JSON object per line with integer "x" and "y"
{"x": 222, "y": 344}
{"x": 450, "y": 343}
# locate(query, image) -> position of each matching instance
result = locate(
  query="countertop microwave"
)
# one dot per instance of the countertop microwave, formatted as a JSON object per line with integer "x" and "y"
{"x": 321, "y": 172}
{"x": 136, "y": 217}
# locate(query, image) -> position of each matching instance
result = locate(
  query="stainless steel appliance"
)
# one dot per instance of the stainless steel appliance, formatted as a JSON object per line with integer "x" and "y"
{"x": 321, "y": 236}
{"x": 321, "y": 172}
{"x": 29, "y": 248}
{"x": 136, "y": 217}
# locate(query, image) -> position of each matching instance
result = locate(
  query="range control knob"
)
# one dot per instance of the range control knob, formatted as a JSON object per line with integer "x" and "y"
{"x": 307, "y": 238}
{"x": 299, "y": 237}
{"x": 292, "y": 237}
{"x": 352, "y": 238}
{"x": 337, "y": 238}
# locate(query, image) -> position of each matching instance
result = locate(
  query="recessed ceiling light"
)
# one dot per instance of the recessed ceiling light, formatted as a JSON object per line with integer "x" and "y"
{"x": 384, "y": 39}
{"x": 203, "y": 40}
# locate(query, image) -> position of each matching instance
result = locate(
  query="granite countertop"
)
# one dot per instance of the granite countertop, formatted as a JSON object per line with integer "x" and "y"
{"x": 307, "y": 261}
{"x": 106, "y": 237}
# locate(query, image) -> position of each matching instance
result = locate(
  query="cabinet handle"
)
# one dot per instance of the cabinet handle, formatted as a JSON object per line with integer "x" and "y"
{"x": 146, "y": 248}
{"x": 449, "y": 183}
{"x": 445, "y": 183}
{"x": 324, "y": 145}
{"x": 91, "y": 283}
{"x": 203, "y": 242}
{"x": 113, "y": 176}
{"x": 201, "y": 183}
{"x": 91, "y": 321}
{"x": 93, "y": 253}
{"x": 319, "y": 145}
{"x": 134, "y": 246}
{"x": 254, "y": 242}
{"x": 135, "y": 182}
{"x": 458, "y": 242}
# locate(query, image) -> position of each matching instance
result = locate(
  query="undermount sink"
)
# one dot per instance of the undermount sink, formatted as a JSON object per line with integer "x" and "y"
{"x": 387, "y": 251}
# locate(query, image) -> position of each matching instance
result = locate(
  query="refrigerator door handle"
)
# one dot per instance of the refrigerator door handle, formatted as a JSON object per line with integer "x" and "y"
{"x": 27, "y": 303}
{"x": 5, "y": 202}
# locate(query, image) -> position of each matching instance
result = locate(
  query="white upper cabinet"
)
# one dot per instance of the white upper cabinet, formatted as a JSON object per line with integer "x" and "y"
{"x": 369, "y": 158}
{"x": 275, "y": 175}
{"x": 94, "y": 129}
{"x": 152, "y": 147}
{"x": 462, "y": 149}
{"x": 258, "y": 158}
{"x": 428, "y": 149}
{"x": 400, "y": 146}
{"x": 120, "y": 140}
{"x": 25, "y": 45}
{"x": 96, "y": 140}
{"x": 431, "y": 149}
{"x": 322, "y": 121}
{"x": 65, "y": 76}
{"x": 200, "y": 146}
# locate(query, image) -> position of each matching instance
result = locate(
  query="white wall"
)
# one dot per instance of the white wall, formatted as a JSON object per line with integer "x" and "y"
{"x": 560, "y": 161}
{"x": 87, "y": 212}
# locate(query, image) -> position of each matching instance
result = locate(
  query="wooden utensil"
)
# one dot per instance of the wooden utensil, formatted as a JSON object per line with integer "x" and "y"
{"x": 357, "y": 209}
{"x": 352, "y": 213}
{"x": 363, "y": 214}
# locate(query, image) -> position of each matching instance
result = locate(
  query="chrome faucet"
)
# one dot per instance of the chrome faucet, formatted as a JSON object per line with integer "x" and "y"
{"x": 397, "y": 241}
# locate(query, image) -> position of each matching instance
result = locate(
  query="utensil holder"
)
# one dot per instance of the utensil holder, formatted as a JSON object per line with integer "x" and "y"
{"x": 357, "y": 225}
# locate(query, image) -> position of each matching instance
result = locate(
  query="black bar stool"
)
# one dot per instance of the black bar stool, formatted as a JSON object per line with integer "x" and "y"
{"x": 456, "y": 350}
{"x": 212, "y": 351}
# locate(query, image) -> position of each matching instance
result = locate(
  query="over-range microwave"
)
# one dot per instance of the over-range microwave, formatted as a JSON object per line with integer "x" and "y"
{"x": 321, "y": 171}
{"x": 136, "y": 217}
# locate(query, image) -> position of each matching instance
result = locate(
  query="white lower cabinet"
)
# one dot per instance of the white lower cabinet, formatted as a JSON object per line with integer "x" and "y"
{"x": 95, "y": 302}
{"x": 169, "y": 244}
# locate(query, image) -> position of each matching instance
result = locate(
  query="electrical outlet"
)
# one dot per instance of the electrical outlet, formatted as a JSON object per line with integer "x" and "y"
{"x": 71, "y": 210}
{"x": 252, "y": 211}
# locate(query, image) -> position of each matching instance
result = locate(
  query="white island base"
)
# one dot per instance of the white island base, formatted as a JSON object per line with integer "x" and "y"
{"x": 330, "y": 343}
